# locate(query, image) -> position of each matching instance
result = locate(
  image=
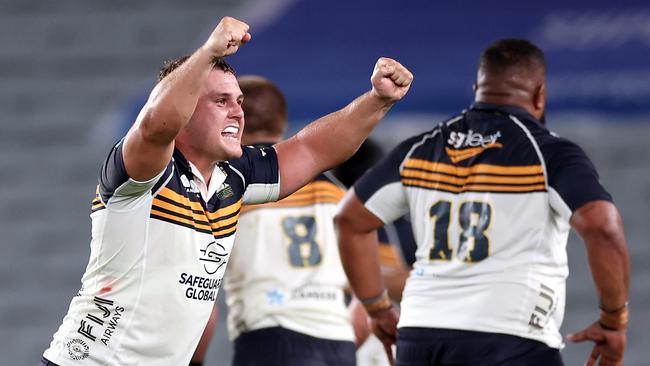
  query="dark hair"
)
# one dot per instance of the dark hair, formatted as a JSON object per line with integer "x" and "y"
{"x": 265, "y": 108}
{"x": 366, "y": 157}
{"x": 512, "y": 55}
{"x": 173, "y": 64}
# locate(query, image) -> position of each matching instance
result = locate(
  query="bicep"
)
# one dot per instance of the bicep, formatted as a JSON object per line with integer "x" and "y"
{"x": 297, "y": 165}
{"x": 355, "y": 217}
{"x": 145, "y": 156}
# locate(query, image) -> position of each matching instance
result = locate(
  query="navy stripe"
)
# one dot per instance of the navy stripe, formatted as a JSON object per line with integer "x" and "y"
{"x": 179, "y": 215}
{"x": 154, "y": 216}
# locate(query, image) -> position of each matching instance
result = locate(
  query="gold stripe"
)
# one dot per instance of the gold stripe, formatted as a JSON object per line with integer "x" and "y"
{"x": 224, "y": 232}
{"x": 170, "y": 194}
{"x": 214, "y": 226}
{"x": 471, "y": 187}
{"x": 181, "y": 220}
{"x": 285, "y": 204}
{"x": 458, "y": 155}
{"x": 318, "y": 197}
{"x": 418, "y": 174}
{"x": 312, "y": 193}
{"x": 318, "y": 187}
{"x": 225, "y": 211}
{"x": 476, "y": 169}
{"x": 219, "y": 224}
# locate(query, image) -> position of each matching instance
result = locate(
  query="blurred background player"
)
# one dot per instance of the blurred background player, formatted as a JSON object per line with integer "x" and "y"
{"x": 492, "y": 195}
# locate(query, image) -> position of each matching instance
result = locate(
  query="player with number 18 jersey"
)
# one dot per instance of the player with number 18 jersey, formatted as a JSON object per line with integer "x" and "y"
{"x": 490, "y": 201}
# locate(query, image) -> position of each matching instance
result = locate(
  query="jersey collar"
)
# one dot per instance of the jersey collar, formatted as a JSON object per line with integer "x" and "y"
{"x": 216, "y": 180}
{"x": 518, "y": 112}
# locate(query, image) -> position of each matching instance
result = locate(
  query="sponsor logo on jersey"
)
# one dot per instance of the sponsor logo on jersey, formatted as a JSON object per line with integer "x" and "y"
{"x": 200, "y": 288}
{"x": 544, "y": 308}
{"x": 190, "y": 185}
{"x": 314, "y": 294}
{"x": 214, "y": 257}
{"x": 275, "y": 297}
{"x": 225, "y": 191}
{"x": 77, "y": 349}
{"x": 104, "y": 324}
{"x": 466, "y": 145}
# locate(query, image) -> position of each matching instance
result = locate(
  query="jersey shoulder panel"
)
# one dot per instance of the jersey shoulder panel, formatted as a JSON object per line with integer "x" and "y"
{"x": 570, "y": 171}
{"x": 479, "y": 151}
{"x": 324, "y": 189}
{"x": 387, "y": 170}
{"x": 258, "y": 169}
{"x": 115, "y": 182}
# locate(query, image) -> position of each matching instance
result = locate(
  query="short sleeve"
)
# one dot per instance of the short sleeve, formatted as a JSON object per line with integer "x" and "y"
{"x": 380, "y": 188}
{"x": 258, "y": 167}
{"x": 115, "y": 183}
{"x": 572, "y": 178}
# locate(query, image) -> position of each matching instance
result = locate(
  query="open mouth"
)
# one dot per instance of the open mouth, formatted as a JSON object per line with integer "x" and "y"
{"x": 231, "y": 132}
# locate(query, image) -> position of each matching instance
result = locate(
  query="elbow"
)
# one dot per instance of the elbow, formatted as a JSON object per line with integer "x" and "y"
{"x": 342, "y": 221}
{"x": 600, "y": 223}
{"x": 607, "y": 233}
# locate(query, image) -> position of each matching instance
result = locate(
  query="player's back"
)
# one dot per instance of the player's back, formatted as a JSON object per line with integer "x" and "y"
{"x": 490, "y": 216}
{"x": 285, "y": 268}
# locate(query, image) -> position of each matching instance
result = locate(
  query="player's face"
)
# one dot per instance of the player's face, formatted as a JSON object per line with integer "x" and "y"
{"x": 217, "y": 124}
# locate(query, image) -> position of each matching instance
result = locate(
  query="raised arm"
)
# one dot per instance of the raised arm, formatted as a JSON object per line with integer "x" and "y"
{"x": 333, "y": 138}
{"x": 149, "y": 144}
{"x": 600, "y": 226}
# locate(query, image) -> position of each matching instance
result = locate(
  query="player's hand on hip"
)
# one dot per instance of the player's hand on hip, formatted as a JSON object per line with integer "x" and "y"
{"x": 390, "y": 80}
{"x": 384, "y": 325}
{"x": 609, "y": 347}
{"x": 226, "y": 38}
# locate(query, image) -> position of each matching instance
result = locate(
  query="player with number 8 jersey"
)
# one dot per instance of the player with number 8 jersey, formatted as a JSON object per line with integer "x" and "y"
{"x": 285, "y": 271}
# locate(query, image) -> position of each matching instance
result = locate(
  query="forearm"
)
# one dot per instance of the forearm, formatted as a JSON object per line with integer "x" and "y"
{"x": 610, "y": 267}
{"x": 600, "y": 226}
{"x": 173, "y": 101}
{"x": 359, "y": 256}
{"x": 328, "y": 141}
{"x": 333, "y": 138}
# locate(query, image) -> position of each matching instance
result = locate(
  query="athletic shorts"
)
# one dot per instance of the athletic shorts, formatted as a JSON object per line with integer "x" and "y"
{"x": 46, "y": 362}
{"x": 447, "y": 347}
{"x": 278, "y": 346}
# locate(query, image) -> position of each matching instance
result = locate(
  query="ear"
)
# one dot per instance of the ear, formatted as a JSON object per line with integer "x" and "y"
{"x": 539, "y": 100}
{"x": 475, "y": 87}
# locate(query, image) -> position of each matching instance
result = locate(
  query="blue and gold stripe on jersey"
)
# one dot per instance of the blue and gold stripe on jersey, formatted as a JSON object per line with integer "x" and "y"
{"x": 97, "y": 203}
{"x": 319, "y": 191}
{"x": 175, "y": 208}
{"x": 476, "y": 178}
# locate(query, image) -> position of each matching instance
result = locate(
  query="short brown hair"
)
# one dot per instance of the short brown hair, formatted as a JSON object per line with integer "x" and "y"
{"x": 265, "y": 108}
{"x": 173, "y": 64}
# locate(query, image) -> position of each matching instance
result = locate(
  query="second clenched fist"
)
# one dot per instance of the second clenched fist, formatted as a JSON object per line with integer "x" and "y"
{"x": 390, "y": 80}
{"x": 226, "y": 38}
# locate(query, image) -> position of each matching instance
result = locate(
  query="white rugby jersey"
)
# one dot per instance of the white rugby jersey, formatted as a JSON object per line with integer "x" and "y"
{"x": 490, "y": 194}
{"x": 285, "y": 268}
{"x": 158, "y": 255}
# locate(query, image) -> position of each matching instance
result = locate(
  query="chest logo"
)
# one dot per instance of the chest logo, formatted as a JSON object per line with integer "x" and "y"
{"x": 214, "y": 257}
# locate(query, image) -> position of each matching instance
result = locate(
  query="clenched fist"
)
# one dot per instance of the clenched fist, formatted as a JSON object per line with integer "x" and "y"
{"x": 390, "y": 80}
{"x": 226, "y": 38}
